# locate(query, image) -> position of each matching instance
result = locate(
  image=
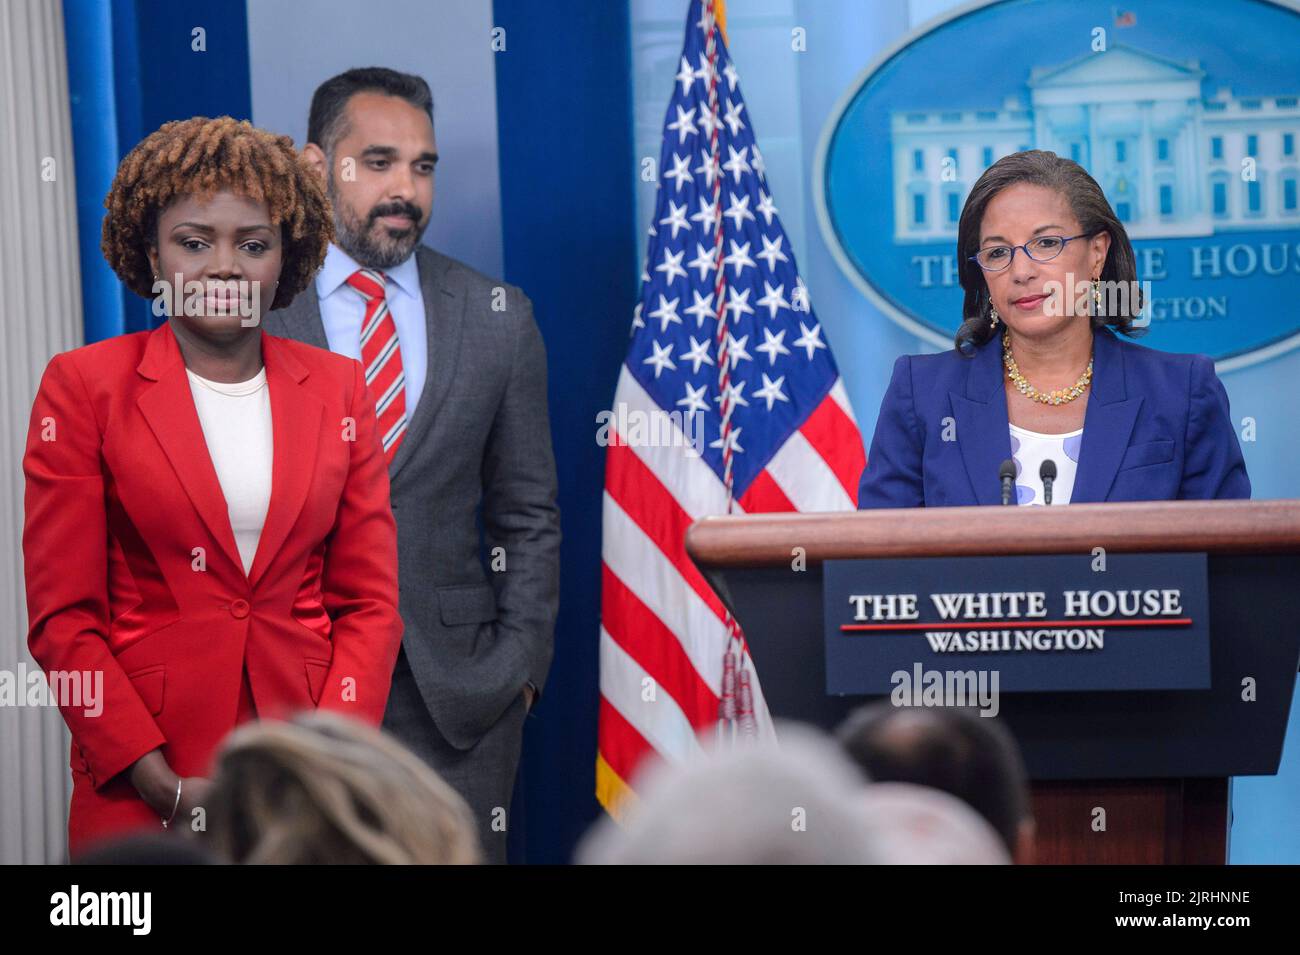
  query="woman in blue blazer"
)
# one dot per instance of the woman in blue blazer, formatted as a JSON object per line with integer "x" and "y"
{"x": 1038, "y": 372}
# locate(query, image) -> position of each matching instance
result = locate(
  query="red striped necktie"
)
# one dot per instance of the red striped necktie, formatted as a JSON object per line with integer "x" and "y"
{"x": 382, "y": 359}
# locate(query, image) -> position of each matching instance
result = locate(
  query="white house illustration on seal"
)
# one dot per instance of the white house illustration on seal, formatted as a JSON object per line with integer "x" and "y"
{"x": 1170, "y": 160}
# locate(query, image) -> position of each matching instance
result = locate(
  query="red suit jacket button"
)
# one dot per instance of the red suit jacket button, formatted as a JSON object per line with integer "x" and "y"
{"x": 239, "y": 609}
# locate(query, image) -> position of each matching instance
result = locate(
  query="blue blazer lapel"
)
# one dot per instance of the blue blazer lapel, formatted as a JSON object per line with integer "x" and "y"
{"x": 1108, "y": 422}
{"x": 981, "y": 418}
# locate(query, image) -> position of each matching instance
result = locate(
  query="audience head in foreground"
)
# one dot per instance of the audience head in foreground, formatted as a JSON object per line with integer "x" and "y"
{"x": 971, "y": 757}
{"x": 751, "y": 804}
{"x": 916, "y": 825}
{"x": 325, "y": 789}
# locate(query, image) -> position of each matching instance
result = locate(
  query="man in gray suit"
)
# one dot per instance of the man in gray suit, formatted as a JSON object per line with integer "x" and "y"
{"x": 457, "y": 368}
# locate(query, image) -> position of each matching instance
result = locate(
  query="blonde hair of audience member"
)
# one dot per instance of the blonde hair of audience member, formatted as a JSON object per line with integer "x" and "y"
{"x": 326, "y": 789}
{"x": 917, "y": 825}
{"x": 751, "y": 804}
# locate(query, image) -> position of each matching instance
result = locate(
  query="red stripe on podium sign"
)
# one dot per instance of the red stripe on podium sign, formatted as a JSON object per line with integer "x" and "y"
{"x": 1021, "y": 624}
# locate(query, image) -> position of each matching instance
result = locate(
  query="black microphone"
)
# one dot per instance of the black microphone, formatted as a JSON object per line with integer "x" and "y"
{"x": 1008, "y": 475}
{"x": 1047, "y": 473}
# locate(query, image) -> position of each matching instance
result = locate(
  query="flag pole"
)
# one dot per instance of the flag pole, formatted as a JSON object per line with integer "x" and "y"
{"x": 735, "y": 708}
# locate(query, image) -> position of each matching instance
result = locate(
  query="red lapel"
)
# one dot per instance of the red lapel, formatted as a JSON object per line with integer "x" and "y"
{"x": 168, "y": 407}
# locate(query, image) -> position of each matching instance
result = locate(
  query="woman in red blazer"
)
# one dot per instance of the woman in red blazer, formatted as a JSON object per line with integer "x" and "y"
{"x": 208, "y": 535}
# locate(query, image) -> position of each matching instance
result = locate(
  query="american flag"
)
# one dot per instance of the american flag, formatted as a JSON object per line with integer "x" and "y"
{"x": 725, "y": 341}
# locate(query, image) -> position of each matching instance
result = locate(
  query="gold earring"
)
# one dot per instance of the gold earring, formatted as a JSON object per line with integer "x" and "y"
{"x": 993, "y": 316}
{"x": 1096, "y": 297}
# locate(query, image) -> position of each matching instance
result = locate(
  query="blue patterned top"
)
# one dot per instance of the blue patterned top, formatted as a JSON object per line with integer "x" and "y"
{"x": 1029, "y": 449}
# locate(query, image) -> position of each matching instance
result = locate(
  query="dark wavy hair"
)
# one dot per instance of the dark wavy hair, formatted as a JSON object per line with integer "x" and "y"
{"x": 327, "y": 119}
{"x": 1089, "y": 205}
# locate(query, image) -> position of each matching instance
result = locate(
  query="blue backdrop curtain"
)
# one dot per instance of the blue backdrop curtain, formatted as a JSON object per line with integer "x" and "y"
{"x": 564, "y": 98}
{"x": 132, "y": 66}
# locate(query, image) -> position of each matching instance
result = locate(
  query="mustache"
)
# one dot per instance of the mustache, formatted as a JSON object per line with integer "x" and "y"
{"x": 407, "y": 209}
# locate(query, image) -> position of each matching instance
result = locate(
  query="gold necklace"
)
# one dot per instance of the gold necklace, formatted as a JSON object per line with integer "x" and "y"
{"x": 1058, "y": 397}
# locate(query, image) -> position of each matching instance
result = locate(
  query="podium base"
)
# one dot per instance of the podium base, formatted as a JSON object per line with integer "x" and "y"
{"x": 1132, "y": 822}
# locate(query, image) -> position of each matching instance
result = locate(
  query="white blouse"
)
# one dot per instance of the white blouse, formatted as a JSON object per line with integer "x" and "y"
{"x": 1029, "y": 449}
{"x": 236, "y": 420}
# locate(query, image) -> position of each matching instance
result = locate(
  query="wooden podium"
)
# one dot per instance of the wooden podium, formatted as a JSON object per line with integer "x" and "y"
{"x": 1159, "y": 762}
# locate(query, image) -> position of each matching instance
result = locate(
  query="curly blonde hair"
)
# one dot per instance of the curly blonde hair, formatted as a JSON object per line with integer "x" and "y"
{"x": 200, "y": 157}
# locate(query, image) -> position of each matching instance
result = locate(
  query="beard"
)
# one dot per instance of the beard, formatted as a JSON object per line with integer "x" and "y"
{"x": 371, "y": 245}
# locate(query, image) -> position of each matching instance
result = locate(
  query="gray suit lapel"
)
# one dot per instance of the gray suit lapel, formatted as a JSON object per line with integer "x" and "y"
{"x": 301, "y": 319}
{"x": 444, "y": 310}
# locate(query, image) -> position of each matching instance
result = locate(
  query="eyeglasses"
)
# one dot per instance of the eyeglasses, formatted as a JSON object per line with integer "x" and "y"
{"x": 1043, "y": 249}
